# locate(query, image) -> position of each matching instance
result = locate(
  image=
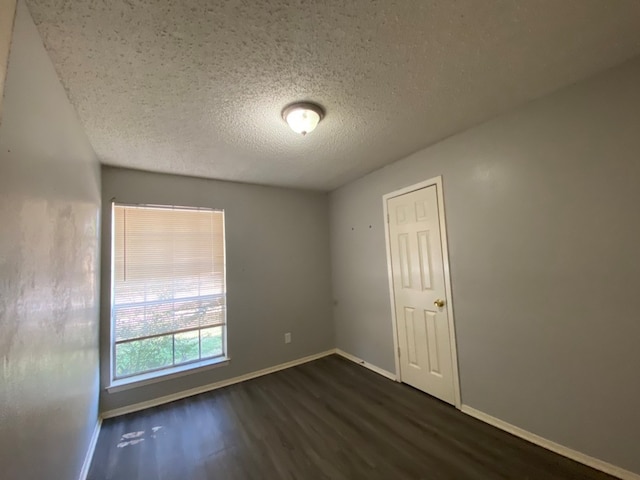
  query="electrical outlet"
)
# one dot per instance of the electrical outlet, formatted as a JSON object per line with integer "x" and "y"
{"x": 287, "y": 337}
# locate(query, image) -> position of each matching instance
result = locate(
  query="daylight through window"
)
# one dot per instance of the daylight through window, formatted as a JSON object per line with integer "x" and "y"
{"x": 169, "y": 295}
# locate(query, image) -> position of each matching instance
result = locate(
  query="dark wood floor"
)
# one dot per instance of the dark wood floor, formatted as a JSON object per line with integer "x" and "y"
{"x": 328, "y": 419}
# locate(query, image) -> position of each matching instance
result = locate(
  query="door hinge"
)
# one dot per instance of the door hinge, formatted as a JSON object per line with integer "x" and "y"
{"x": 387, "y": 218}
{"x": 398, "y": 350}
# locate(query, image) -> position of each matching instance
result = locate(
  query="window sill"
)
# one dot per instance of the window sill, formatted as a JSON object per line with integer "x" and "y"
{"x": 167, "y": 374}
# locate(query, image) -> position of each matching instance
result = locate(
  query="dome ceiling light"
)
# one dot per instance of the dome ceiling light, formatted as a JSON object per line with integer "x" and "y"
{"x": 303, "y": 117}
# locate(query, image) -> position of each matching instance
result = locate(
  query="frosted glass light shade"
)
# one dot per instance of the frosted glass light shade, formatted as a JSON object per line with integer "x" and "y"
{"x": 303, "y": 117}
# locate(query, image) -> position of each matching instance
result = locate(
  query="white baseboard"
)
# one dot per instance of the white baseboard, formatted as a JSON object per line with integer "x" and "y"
{"x": 211, "y": 386}
{"x": 368, "y": 365}
{"x": 496, "y": 422}
{"x": 549, "y": 445}
{"x": 90, "y": 450}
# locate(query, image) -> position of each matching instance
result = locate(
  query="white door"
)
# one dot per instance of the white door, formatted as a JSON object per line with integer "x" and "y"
{"x": 424, "y": 339}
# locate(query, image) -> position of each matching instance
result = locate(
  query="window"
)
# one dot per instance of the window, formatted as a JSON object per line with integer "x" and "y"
{"x": 168, "y": 306}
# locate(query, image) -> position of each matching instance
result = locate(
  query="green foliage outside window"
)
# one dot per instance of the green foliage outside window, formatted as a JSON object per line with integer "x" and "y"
{"x": 140, "y": 356}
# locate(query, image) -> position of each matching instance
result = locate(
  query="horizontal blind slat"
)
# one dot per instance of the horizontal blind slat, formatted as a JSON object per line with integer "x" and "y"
{"x": 169, "y": 271}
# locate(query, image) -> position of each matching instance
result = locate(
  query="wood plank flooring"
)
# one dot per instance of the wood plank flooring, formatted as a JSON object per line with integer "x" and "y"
{"x": 327, "y": 419}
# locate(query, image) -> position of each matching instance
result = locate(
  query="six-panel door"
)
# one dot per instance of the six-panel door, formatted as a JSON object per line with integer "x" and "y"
{"x": 419, "y": 285}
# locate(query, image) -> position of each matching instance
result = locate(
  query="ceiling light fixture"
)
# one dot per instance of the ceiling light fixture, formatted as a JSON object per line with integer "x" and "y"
{"x": 303, "y": 117}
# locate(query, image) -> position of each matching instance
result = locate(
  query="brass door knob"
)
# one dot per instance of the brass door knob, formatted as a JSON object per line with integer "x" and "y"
{"x": 439, "y": 303}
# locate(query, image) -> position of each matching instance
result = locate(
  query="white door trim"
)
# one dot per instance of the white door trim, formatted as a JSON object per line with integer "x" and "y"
{"x": 437, "y": 181}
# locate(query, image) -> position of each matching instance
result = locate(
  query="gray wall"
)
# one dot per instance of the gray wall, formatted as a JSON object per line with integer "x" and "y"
{"x": 543, "y": 220}
{"x": 49, "y": 253}
{"x": 278, "y": 272}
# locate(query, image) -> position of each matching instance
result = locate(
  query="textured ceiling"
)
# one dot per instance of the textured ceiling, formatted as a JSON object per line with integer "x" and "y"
{"x": 196, "y": 87}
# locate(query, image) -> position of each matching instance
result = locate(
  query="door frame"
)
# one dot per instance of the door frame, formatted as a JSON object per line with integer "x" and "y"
{"x": 437, "y": 181}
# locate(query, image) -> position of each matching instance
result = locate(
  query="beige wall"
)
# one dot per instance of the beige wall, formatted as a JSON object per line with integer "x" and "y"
{"x": 7, "y": 13}
{"x": 543, "y": 222}
{"x": 49, "y": 252}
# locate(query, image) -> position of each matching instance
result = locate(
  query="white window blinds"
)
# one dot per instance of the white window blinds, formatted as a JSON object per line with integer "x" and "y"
{"x": 168, "y": 305}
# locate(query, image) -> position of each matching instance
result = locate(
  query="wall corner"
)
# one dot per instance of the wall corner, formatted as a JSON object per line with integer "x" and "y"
{"x": 7, "y": 17}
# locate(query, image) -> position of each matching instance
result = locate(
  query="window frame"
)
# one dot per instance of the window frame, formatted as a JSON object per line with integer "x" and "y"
{"x": 173, "y": 371}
